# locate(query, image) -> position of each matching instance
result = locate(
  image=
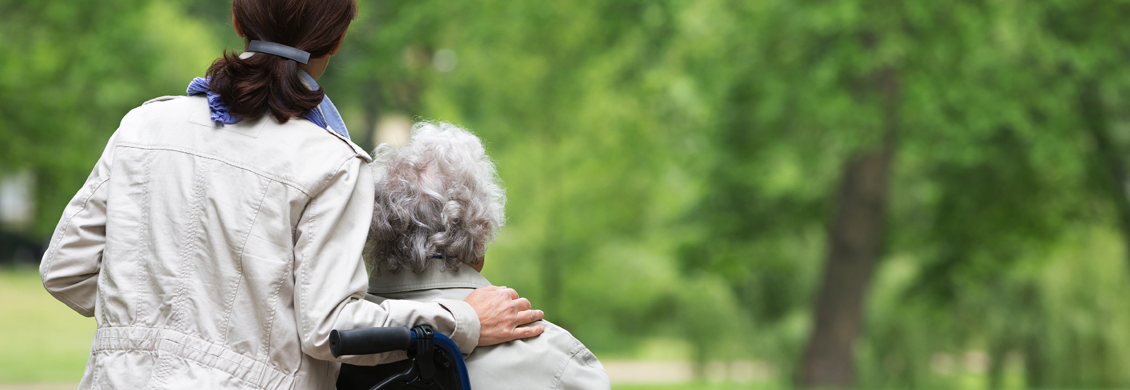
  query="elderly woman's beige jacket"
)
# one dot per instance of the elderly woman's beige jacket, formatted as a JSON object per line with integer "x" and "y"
{"x": 221, "y": 257}
{"x": 555, "y": 360}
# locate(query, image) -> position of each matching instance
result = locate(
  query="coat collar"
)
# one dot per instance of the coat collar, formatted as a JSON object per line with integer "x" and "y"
{"x": 436, "y": 276}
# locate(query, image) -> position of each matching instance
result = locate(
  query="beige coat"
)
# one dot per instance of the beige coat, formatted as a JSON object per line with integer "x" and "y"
{"x": 555, "y": 360}
{"x": 221, "y": 257}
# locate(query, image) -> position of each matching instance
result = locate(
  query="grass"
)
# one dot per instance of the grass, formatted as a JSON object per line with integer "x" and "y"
{"x": 699, "y": 386}
{"x": 43, "y": 341}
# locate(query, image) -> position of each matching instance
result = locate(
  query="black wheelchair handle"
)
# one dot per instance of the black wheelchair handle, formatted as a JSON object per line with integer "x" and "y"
{"x": 368, "y": 341}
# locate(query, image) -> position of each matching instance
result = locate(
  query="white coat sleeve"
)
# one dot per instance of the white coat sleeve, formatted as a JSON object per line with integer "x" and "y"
{"x": 330, "y": 277}
{"x": 70, "y": 266}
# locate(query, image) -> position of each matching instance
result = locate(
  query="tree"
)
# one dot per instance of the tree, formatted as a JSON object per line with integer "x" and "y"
{"x": 74, "y": 69}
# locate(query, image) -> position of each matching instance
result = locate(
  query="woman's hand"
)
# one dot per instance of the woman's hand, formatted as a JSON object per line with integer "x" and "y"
{"x": 501, "y": 314}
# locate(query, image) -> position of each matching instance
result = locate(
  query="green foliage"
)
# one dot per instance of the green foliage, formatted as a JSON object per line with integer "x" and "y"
{"x": 671, "y": 165}
{"x": 71, "y": 70}
{"x": 1056, "y": 315}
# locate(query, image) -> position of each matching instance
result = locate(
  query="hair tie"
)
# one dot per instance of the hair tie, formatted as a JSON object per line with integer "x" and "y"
{"x": 280, "y": 50}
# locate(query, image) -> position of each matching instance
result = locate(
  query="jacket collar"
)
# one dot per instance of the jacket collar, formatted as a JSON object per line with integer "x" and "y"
{"x": 436, "y": 276}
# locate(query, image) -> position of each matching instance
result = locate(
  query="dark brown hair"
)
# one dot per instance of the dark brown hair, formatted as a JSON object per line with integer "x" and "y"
{"x": 252, "y": 86}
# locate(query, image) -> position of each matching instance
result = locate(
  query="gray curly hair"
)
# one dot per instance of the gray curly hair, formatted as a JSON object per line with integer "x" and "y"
{"x": 438, "y": 196}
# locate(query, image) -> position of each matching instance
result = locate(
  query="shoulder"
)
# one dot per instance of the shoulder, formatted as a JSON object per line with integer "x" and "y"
{"x": 581, "y": 365}
{"x": 159, "y": 105}
{"x": 162, "y": 99}
{"x": 582, "y": 371}
{"x": 194, "y": 110}
{"x": 560, "y": 337}
{"x": 297, "y": 152}
{"x": 555, "y": 358}
{"x": 318, "y": 156}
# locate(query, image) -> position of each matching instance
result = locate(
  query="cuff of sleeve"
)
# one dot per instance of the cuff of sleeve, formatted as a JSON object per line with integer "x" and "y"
{"x": 82, "y": 310}
{"x": 86, "y": 310}
{"x": 467, "y": 327}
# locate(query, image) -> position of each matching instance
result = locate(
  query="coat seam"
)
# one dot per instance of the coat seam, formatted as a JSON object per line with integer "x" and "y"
{"x": 98, "y": 292}
{"x": 94, "y": 378}
{"x": 159, "y": 374}
{"x": 186, "y": 266}
{"x": 187, "y": 346}
{"x": 242, "y": 250}
{"x": 184, "y": 342}
{"x": 256, "y": 171}
{"x": 569, "y": 359}
{"x": 199, "y": 364}
{"x": 301, "y": 286}
{"x": 325, "y": 182}
{"x": 357, "y": 151}
{"x": 310, "y": 237}
{"x": 269, "y": 325}
{"x": 143, "y": 248}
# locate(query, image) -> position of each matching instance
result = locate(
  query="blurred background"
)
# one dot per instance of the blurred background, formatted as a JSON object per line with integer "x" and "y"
{"x": 760, "y": 194}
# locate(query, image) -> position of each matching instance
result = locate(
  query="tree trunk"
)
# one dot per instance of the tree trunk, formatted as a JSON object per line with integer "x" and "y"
{"x": 856, "y": 239}
{"x": 371, "y": 103}
{"x": 997, "y": 359}
{"x": 1110, "y": 170}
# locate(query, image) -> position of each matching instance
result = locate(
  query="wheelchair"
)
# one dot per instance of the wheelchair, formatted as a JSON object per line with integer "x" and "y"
{"x": 434, "y": 362}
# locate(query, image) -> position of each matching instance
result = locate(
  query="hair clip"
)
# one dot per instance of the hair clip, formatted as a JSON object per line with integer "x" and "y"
{"x": 280, "y": 50}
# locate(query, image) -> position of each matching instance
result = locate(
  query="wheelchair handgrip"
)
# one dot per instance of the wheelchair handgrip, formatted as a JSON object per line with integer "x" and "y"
{"x": 368, "y": 341}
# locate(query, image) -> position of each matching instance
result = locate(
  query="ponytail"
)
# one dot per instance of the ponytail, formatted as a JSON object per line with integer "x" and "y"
{"x": 254, "y": 85}
{"x": 263, "y": 83}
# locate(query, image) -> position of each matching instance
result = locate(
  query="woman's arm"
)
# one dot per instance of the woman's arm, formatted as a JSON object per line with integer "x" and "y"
{"x": 70, "y": 267}
{"x": 330, "y": 278}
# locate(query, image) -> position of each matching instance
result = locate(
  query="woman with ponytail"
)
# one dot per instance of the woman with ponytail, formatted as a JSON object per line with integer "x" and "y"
{"x": 218, "y": 240}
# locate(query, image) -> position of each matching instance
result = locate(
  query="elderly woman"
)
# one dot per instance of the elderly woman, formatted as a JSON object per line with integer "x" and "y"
{"x": 439, "y": 203}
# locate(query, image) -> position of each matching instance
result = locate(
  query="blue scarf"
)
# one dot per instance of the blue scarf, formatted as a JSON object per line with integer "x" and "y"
{"x": 330, "y": 121}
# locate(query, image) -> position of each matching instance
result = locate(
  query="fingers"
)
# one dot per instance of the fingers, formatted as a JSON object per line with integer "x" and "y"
{"x": 522, "y": 304}
{"x": 505, "y": 290}
{"x": 527, "y": 331}
{"x": 529, "y": 316}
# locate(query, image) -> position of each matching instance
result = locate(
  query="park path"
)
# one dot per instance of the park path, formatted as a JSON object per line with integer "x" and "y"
{"x": 662, "y": 372}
